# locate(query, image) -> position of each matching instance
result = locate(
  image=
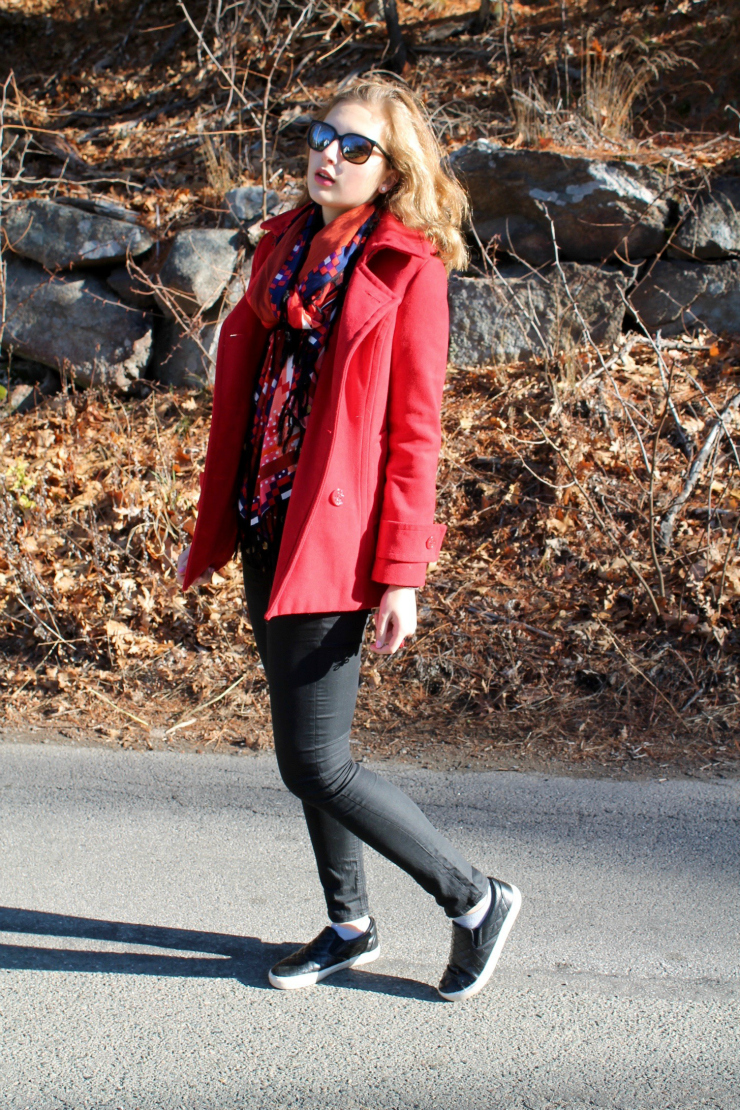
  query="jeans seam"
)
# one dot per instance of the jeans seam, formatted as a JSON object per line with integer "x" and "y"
{"x": 450, "y": 868}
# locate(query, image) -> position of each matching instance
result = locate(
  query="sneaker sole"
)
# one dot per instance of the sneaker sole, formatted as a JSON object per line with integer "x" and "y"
{"x": 297, "y": 982}
{"x": 487, "y": 972}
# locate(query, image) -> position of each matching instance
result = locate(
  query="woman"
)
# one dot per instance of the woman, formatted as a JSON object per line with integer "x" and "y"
{"x": 321, "y": 466}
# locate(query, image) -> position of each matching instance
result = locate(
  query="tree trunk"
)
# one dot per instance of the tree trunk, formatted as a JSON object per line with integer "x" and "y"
{"x": 398, "y": 47}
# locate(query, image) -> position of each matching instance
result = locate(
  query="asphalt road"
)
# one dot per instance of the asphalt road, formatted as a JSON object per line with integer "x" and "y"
{"x": 144, "y": 895}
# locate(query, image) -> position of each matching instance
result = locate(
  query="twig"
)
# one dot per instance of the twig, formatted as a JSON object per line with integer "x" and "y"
{"x": 515, "y": 623}
{"x": 658, "y": 432}
{"x": 247, "y": 102}
{"x": 727, "y": 559}
{"x": 686, "y": 444}
{"x": 695, "y": 470}
{"x": 119, "y": 708}
{"x": 206, "y": 704}
{"x": 637, "y": 670}
{"x": 599, "y": 519}
{"x": 305, "y": 15}
{"x": 589, "y": 338}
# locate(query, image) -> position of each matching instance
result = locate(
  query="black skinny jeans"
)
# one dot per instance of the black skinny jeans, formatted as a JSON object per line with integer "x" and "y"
{"x": 312, "y": 664}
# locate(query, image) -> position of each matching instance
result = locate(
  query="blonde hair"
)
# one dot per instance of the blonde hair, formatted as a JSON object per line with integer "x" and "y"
{"x": 427, "y": 195}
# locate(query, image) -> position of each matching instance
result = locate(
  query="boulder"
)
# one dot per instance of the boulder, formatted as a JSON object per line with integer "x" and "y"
{"x": 25, "y": 396}
{"x": 682, "y": 296}
{"x": 237, "y": 287}
{"x": 185, "y": 358}
{"x": 244, "y": 205}
{"x": 198, "y": 268}
{"x": 710, "y": 227}
{"x": 519, "y": 314}
{"x": 598, "y": 208}
{"x": 130, "y": 288}
{"x": 74, "y": 324}
{"x": 60, "y": 236}
{"x": 21, "y": 398}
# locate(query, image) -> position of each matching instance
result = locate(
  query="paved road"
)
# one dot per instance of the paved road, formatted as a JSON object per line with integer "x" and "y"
{"x": 144, "y": 896}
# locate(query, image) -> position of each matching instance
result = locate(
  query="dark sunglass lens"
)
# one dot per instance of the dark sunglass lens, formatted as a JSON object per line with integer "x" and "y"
{"x": 320, "y": 135}
{"x": 357, "y": 149}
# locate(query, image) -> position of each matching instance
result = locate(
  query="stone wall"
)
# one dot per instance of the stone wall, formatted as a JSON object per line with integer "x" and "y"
{"x": 610, "y": 245}
{"x": 90, "y": 294}
{"x": 578, "y": 244}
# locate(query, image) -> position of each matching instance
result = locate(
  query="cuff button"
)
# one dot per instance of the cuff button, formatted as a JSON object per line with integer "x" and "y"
{"x": 430, "y": 542}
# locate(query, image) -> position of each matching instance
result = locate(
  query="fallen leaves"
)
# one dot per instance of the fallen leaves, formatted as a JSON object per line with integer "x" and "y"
{"x": 529, "y": 594}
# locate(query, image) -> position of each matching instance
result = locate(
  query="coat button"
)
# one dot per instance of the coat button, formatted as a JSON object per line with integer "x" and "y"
{"x": 430, "y": 542}
{"x": 337, "y": 497}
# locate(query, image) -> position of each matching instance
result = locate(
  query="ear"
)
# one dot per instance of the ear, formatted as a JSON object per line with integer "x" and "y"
{"x": 389, "y": 181}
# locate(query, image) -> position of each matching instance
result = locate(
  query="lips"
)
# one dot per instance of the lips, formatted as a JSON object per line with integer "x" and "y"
{"x": 324, "y": 178}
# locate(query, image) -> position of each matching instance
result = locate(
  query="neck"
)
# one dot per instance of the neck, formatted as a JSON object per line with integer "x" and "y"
{"x": 330, "y": 213}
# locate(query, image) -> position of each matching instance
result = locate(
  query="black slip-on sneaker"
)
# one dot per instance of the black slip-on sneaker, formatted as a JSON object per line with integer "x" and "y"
{"x": 324, "y": 955}
{"x": 475, "y": 952}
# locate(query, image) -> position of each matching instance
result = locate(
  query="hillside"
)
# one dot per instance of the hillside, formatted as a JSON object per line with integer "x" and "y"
{"x": 557, "y": 625}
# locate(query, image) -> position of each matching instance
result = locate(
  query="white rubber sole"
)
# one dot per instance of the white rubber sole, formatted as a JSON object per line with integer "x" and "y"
{"x": 487, "y": 972}
{"x": 297, "y": 982}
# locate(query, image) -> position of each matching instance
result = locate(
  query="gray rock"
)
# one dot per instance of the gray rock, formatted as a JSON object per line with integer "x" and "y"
{"x": 518, "y": 314}
{"x": 73, "y": 323}
{"x": 681, "y": 296}
{"x": 26, "y": 396}
{"x": 186, "y": 359}
{"x": 130, "y": 288}
{"x": 198, "y": 268}
{"x": 711, "y": 223}
{"x": 21, "y": 398}
{"x": 103, "y": 206}
{"x": 244, "y": 205}
{"x": 237, "y": 287}
{"x": 598, "y": 208}
{"x": 59, "y": 235}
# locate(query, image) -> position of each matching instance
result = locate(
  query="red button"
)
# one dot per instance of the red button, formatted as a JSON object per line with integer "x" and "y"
{"x": 337, "y": 497}
{"x": 430, "y": 542}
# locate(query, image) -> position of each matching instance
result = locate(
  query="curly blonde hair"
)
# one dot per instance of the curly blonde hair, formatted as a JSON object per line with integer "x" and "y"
{"x": 427, "y": 195}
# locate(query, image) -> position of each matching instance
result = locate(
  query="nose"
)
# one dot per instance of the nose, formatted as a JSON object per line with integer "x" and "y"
{"x": 332, "y": 151}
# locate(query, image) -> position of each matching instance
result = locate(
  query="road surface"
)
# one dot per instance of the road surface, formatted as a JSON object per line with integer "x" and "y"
{"x": 143, "y": 897}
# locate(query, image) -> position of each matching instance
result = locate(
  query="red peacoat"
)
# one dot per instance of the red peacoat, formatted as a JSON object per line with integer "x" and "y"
{"x": 361, "y": 512}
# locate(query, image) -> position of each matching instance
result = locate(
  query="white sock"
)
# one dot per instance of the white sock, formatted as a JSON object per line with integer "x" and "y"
{"x": 473, "y": 918}
{"x": 348, "y": 930}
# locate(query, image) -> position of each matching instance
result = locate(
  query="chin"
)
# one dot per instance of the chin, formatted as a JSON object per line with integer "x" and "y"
{"x": 320, "y": 194}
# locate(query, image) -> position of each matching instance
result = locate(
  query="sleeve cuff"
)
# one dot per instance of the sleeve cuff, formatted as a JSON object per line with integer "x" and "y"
{"x": 409, "y": 543}
{"x": 393, "y": 573}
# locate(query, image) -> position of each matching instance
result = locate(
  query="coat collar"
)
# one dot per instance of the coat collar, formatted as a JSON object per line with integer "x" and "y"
{"x": 390, "y": 233}
{"x": 368, "y": 297}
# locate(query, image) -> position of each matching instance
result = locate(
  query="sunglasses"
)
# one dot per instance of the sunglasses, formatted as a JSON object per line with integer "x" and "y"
{"x": 355, "y": 148}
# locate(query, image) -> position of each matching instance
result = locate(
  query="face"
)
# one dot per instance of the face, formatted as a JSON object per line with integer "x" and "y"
{"x": 338, "y": 185}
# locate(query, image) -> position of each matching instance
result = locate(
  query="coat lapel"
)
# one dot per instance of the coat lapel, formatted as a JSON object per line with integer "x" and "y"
{"x": 368, "y": 298}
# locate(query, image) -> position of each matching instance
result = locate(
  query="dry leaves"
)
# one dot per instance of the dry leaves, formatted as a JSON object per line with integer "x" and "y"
{"x": 537, "y": 633}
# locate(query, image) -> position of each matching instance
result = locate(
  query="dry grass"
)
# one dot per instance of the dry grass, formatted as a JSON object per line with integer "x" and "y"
{"x": 611, "y": 81}
{"x": 537, "y": 637}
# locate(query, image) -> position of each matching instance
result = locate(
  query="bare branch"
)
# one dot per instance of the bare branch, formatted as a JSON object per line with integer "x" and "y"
{"x": 695, "y": 471}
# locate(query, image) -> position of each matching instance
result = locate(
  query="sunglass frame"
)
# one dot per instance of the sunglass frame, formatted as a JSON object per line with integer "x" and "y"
{"x": 340, "y": 138}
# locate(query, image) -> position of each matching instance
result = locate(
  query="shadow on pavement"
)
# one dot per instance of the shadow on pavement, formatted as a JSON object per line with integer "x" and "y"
{"x": 245, "y": 959}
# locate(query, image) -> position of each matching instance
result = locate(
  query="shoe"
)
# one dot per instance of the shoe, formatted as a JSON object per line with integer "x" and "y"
{"x": 324, "y": 955}
{"x": 475, "y": 952}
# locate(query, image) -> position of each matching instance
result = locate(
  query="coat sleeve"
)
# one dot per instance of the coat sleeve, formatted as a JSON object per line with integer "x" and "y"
{"x": 214, "y": 538}
{"x": 408, "y": 538}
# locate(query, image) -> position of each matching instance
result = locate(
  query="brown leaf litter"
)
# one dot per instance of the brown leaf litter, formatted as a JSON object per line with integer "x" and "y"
{"x": 553, "y": 629}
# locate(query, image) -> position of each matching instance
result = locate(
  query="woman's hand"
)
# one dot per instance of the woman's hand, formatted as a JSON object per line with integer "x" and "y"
{"x": 395, "y": 618}
{"x": 182, "y": 567}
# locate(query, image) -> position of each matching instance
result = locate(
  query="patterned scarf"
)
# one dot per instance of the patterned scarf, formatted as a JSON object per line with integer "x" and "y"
{"x": 299, "y": 302}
